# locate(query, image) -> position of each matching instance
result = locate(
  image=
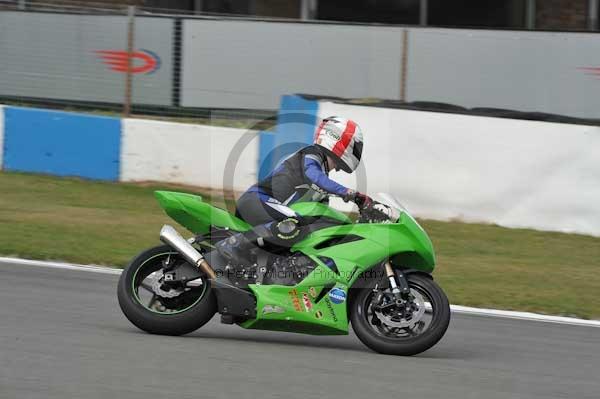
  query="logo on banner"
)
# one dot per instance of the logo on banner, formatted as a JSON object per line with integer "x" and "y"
{"x": 593, "y": 71}
{"x": 142, "y": 61}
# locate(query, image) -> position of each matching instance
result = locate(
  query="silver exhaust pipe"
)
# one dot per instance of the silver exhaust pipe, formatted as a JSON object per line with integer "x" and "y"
{"x": 171, "y": 237}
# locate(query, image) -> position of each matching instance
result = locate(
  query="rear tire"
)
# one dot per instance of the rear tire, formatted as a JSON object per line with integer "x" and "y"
{"x": 404, "y": 346}
{"x": 179, "y": 323}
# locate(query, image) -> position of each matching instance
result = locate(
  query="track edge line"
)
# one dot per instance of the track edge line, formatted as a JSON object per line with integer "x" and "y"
{"x": 62, "y": 265}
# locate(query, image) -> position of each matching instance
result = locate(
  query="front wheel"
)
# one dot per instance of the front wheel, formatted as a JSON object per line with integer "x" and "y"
{"x": 158, "y": 306}
{"x": 407, "y": 328}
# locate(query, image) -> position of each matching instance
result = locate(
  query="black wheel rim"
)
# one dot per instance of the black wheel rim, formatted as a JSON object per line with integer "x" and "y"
{"x": 401, "y": 324}
{"x": 150, "y": 292}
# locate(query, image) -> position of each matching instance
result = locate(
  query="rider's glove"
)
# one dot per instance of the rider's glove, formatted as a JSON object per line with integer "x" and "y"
{"x": 362, "y": 200}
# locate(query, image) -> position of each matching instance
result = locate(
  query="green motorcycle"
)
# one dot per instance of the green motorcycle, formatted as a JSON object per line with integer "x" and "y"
{"x": 374, "y": 273}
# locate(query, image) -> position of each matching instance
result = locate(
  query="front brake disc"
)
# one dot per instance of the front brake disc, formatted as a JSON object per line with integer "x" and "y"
{"x": 405, "y": 321}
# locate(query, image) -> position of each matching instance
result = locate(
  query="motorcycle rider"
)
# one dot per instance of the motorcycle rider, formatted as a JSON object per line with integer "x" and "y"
{"x": 303, "y": 176}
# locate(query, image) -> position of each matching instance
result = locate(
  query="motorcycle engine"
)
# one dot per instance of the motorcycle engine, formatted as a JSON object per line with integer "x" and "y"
{"x": 241, "y": 275}
{"x": 289, "y": 270}
{"x": 281, "y": 270}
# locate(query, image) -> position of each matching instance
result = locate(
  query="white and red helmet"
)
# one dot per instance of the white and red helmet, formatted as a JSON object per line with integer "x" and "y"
{"x": 343, "y": 139}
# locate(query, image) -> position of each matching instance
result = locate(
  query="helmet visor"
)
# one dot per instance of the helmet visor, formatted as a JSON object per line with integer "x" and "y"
{"x": 357, "y": 150}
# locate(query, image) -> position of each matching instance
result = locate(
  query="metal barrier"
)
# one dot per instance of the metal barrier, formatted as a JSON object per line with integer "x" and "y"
{"x": 145, "y": 61}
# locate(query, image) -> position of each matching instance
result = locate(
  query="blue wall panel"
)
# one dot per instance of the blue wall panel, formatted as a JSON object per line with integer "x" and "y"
{"x": 1, "y": 135}
{"x": 266, "y": 142}
{"x": 296, "y": 124}
{"x": 62, "y": 143}
{"x": 297, "y": 119}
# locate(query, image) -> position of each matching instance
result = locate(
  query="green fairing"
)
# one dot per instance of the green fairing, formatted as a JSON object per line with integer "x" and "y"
{"x": 405, "y": 243}
{"x": 379, "y": 241}
{"x": 196, "y": 215}
{"x": 319, "y": 209}
{"x": 296, "y": 318}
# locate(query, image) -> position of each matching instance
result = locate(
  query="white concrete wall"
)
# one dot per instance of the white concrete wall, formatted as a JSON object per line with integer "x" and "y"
{"x": 511, "y": 172}
{"x": 187, "y": 154}
{"x": 1, "y": 136}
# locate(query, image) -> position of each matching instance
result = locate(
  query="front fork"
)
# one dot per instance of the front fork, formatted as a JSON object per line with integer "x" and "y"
{"x": 398, "y": 283}
{"x": 400, "y": 293}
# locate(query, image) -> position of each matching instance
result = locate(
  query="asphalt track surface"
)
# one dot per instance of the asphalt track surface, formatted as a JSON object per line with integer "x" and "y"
{"x": 62, "y": 335}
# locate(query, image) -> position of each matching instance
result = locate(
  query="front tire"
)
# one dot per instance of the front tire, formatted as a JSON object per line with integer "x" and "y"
{"x": 401, "y": 336}
{"x": 182, "y": 314}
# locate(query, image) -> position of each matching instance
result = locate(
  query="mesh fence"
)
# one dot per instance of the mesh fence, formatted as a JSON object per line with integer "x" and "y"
{"x": 108, "y": 58}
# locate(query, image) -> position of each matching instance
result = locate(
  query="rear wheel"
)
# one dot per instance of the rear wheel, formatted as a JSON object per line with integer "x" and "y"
{"x": 162, "y": 307}
{"x": 407, "y": 328}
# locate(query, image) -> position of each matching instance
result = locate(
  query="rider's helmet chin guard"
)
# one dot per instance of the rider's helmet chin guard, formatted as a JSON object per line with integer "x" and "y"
{"x": 342, "y": 139}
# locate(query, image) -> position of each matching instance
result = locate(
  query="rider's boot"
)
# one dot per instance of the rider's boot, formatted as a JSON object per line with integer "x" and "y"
{"x": 281, "y": 233}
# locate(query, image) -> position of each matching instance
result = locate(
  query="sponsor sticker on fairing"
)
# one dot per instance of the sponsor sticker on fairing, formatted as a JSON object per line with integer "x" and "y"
{"x": 295, "y": 300}
{"x": 272, "y": 309}
{"x": 330, "y": 309}
{"x": 337, "y": 296}
{"x": 307, "y": 303}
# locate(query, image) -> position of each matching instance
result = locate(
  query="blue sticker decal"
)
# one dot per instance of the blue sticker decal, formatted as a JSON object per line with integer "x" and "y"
{"x": 337, "y": 296}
